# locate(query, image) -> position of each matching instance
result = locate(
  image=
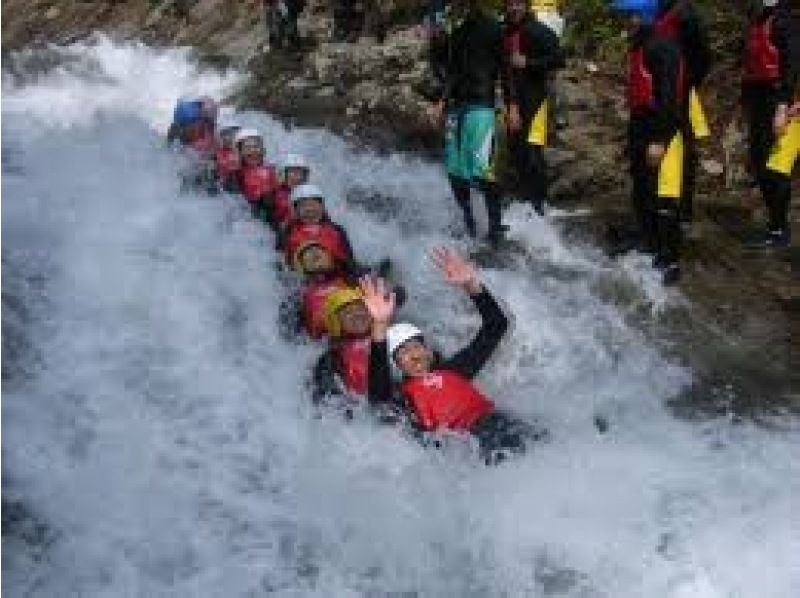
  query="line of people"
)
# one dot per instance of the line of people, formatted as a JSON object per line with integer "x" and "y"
{"x": 484, "y": 61}
{"x": 368, "y": 357}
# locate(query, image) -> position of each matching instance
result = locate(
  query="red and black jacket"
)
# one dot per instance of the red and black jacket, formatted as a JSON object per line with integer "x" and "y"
{"x": 656, "y": 85}
{"x": 678, "y": 21}
{"x": 771, "y": 54}
{"x": 445, "y": 399}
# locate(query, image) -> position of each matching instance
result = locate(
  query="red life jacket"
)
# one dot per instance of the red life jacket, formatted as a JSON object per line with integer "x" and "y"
{"x": 257, "y": 182}
{"x": 314, "y": 297}
{"x": 761, "y": 56}
{"x": 324, "y": 234}
{"x": 351, "y": 357}
{"x": 282, "y": 205}
{"x": 227, "y": 160}
{"x": 668, "y": 26}
{"x": 641, "y": 93}
{"x": 445, "y": 399}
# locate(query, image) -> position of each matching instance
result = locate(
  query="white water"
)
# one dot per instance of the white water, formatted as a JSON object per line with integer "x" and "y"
{"x": 158, "y": 434}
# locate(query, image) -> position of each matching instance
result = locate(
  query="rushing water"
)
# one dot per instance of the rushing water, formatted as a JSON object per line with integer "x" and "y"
{"x": 157, "y": 433}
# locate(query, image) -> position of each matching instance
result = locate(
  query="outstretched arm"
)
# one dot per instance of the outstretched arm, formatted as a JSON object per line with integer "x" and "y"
{"x": 380, "y": 304}
{"x": 461, "y": 273}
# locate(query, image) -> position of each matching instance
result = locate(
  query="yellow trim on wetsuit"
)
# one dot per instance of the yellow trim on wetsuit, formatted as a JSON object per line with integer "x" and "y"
{"x": 697, "y": 116}
{"x": 670, "y": 172}
{"x": 537, "y": 135}
{"x": 786, "y": 150}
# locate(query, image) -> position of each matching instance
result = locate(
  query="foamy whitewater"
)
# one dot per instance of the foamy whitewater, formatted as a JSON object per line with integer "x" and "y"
{"x": 157, "y": 434}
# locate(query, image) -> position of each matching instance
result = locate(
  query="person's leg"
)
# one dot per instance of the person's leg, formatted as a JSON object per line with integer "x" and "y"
{"x": 494, "y": 210}
{"x": 461, "y": 193}
{"x": 669, "y": 237}
{"x": 500, "y": 436}
{"x": 536, "y": 178}
{"x": 642, "y": 185}
{"x": 689, "y": 174}
{"x": 778, "y": 195}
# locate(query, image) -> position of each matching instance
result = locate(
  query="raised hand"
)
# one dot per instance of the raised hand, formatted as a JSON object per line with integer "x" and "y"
{"x": 380, "y": 304}
{"x": 456, "y": 270}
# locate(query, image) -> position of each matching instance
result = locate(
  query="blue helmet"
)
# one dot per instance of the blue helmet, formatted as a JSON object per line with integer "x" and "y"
{"x": 187, "y": 112}
{"x": 644, "y": 9}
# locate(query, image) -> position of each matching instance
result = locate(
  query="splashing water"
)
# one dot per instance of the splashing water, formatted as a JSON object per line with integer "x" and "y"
{"x": 157, "y": 433}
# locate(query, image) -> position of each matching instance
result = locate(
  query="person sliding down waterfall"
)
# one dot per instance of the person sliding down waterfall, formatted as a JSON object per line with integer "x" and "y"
{"x": 533, "y": 54}
{"x": 321, "y": 256}
{"x": 296, "y": 172}
{"x": 193, "y": 126}
{"x": 310, "y": 220}
{"x": 257, "y": 180}
{"x": 226, "y": 159}
{"x": 439, "y": 393}
{"x": 468, "y": 99}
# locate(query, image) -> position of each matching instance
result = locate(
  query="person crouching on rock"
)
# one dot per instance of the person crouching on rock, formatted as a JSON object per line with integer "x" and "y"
{"x": 439, "y": 393}
{"x": 257, "y": 179}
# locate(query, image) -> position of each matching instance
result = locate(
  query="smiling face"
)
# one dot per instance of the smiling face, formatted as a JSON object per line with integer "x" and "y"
{"x": 251, "y": 151}
{"x": 226, "y": 138}
{"x": 413, "y": 358}
{"x": 296, "y": 176}
{"x": 355, "y": 319}
{"x": 316, "y": 260}
{"x": 310, "y": 210}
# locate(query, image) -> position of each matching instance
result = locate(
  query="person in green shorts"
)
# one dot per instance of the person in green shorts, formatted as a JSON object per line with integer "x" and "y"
{"x": 467, "y": 108}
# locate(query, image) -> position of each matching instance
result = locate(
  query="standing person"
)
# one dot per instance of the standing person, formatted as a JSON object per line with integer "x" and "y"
{"x": 547, "y": 12}
{"x": 678, "y": 21}
{"x": 532, "y": 54}
{"x": 439, "y": 393}
{"x": 468, "y": 101}
{"x": 769, "y": 82}
{"x": 655, "y": 147}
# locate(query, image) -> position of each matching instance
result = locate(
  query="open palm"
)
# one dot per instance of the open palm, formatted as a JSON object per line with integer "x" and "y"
{"x": 379, "y": 301}
{"x": 454, "y": 268}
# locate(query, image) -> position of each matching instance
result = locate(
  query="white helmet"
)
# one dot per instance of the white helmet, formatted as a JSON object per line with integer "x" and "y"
{"x": 296, "y": 161}
{"x": 397, "y": 334}
{"x": 247, "y": 134}
{"x": 307, "y": 191}
{"x": 229, "y": 126}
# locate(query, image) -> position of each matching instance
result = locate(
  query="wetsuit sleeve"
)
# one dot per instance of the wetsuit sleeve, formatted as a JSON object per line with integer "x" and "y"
{"x": 471, "y": 359}
{"x": 783, "y": 31}
{"x": 694, "y": 41}
{"x": 323, "y": 379}
{"x": 663, "y": 61}
{"x": 379, "y": 387}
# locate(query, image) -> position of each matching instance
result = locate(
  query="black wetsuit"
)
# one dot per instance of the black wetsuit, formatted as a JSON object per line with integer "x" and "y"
{"x": 528, "y": 88}
{"x": 657, "y": 217}
{"x": 759, "y": 101}
{"x": 696, "y": 52}
{"x": 474, "y": 65}
{"x": 496, "y": 432}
